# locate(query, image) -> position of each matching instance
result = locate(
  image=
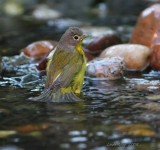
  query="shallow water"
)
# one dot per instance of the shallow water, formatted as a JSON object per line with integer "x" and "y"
{"x": 92, "y": 124}
{"x": 115, "y": 115}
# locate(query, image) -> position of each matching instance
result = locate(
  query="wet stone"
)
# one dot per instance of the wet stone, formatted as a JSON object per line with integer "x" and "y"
{"x": 107, "y": 68}
{"x": 147, "y": 25}
{"x": 136, "y": 57}
{"x": 39, "y": 49}
{"x": 19, "y": 71}
{"x": 99, "y": 43}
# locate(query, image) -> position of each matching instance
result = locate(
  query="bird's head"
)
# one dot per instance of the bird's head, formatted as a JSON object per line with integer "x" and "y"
{"x": 72, "y": 37}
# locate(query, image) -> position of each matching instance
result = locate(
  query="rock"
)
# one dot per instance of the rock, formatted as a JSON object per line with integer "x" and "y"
{"x": 147, "y": 25}
{"x": 89, "y": 56}
{"x": 155, "y": 57}
{"x": 19, "y": 64}
{"x": 38, "y": 49}
{"x": 100, "y": 38}
{"x": 136, "y": 57}
{"x": 44, "y": 12}
{"x": 42, "y": 64}
{"x": 101, "y": 42}
{"x": 108, "y": 68}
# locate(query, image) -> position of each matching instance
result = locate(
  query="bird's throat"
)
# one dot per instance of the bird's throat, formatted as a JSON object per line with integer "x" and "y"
{"x": 79, "y": 48}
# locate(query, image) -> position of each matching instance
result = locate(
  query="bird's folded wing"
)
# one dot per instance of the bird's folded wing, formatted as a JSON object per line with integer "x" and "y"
{"x": 56, "y": 65}
{"x": 67, "y": 75}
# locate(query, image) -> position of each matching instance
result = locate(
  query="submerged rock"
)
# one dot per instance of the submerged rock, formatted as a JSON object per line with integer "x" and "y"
{"x": 19, "y": 71}
{"x": 19, "y": 64}
{"x": 108, "y": 68}
{"x": 136, "y": 57}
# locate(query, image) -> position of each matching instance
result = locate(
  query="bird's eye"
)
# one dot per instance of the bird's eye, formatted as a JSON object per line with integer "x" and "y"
{"x": 76, "y": 37}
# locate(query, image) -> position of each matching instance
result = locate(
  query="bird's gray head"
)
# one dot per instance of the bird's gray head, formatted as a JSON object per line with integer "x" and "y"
{"x": 71, "y": 37}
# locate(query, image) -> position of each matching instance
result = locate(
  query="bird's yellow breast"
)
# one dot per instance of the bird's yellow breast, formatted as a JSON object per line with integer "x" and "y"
{"x": 79, "y": 48}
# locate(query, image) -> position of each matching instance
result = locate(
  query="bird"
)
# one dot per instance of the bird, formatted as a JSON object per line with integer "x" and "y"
{"x": 65, "y": 69}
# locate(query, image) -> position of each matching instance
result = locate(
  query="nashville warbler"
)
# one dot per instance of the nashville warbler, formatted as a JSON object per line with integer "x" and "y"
{"x": 65, "y": 69}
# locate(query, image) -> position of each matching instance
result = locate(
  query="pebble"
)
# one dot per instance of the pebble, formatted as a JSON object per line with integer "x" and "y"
{"x": 136, "y": 56}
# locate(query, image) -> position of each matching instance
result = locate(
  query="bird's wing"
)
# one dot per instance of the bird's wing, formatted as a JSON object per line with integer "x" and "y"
{"x": 56, "y": 65}
{"x": 67, "y": 75}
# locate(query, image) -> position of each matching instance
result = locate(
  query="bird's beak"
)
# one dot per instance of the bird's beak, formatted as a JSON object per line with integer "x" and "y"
{"x": 83, "y": 37}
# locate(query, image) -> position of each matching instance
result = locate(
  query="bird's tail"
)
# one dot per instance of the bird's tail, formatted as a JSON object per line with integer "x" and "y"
{"x": 50, "y": 96}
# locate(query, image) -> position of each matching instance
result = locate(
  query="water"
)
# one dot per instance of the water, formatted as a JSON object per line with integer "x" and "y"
{"x": 115, "y": 115}
{"x": 92, "y": 124}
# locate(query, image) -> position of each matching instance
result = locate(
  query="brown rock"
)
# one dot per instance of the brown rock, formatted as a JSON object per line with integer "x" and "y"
{"x": 38, "y": 49}
{"x": 147, "y": 26}
{"x": 147, "y": 32}
{"x": 89, "y": 55}
{"x": 101, "y": 42}
{"x": 136, "y": 57}
{"x": 42, "y": 64}
{"x": 155, "y": 57}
